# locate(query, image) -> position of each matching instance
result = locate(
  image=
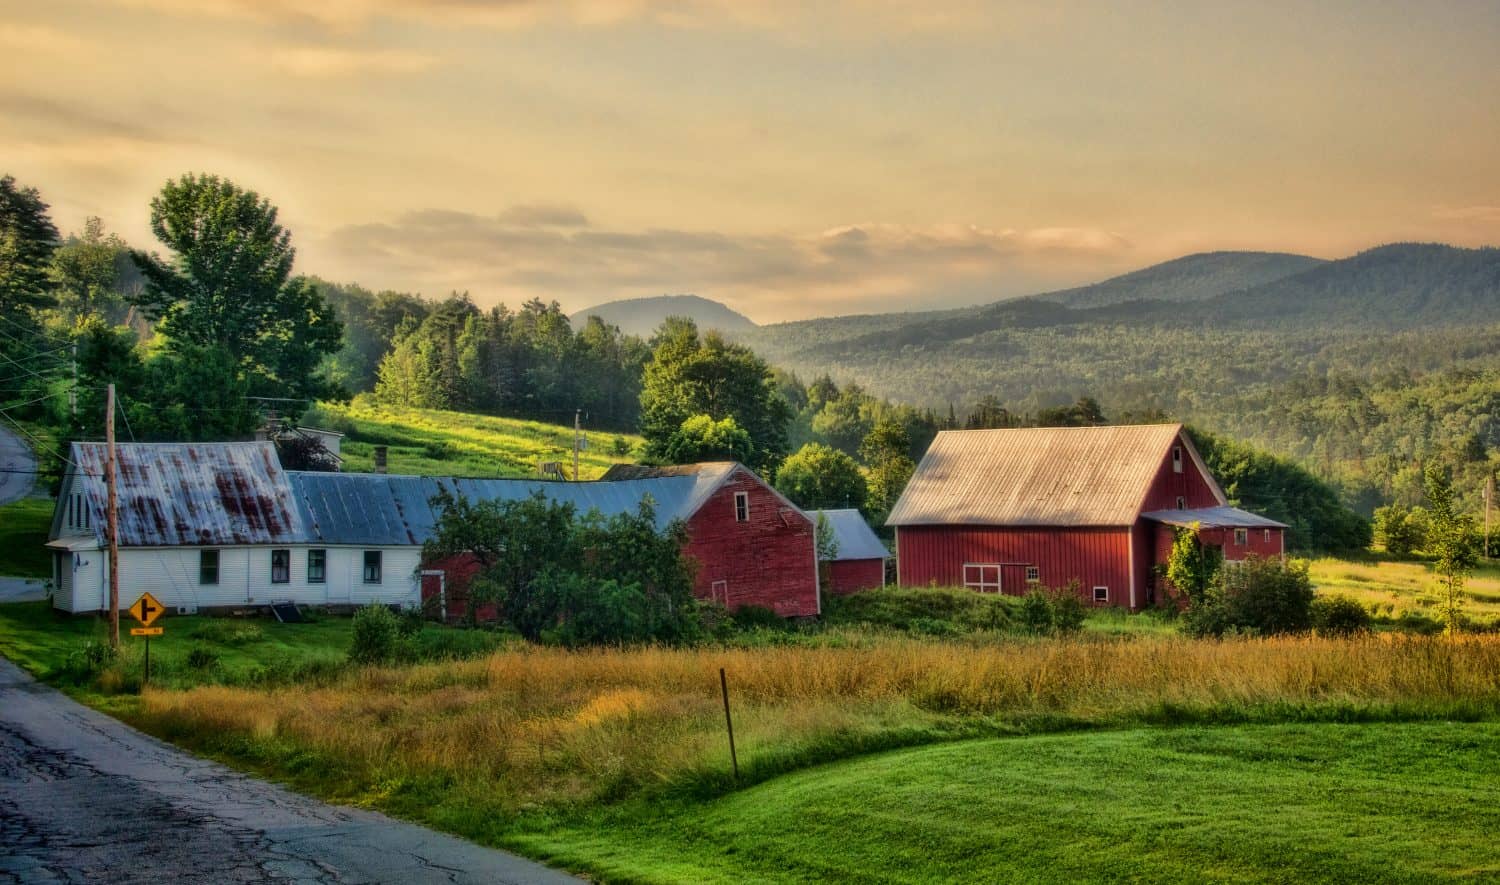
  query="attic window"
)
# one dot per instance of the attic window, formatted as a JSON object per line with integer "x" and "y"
{"x": 741, "y": 506}
{"x": 1177, "y": 459}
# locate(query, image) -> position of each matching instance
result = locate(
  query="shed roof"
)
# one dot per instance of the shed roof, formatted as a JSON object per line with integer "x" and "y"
{"x": 1215, "y": 518}
{"x": 855, "y": 538}
{"x": 1039, "y": 476}
{"x": 191, "y": 494}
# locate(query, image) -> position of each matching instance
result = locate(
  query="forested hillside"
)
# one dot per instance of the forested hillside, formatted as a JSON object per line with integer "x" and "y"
{"x": 1359, "y": 368}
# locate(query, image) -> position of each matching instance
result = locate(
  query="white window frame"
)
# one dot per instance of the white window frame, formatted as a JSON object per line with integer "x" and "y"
{"x": 1177, "y": 459}
{"x": 379, "y": 567}
{"x": 718, "y": 591}
{"x": 218, "y": 565}
{"x": 1101, "y": 598}
{"x": 1033, "y": 573}
{"x": 1242, "y": 537}
{"x": 322, "y": 577}
{"x": 286, "y": 574}
{"x": 979, "y": 583}
{"x": 741, "y": 506}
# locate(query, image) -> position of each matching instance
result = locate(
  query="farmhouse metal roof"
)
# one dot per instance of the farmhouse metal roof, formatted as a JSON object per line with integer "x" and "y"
{"x": 855, "y": 538}
{"x": 1215, "y": 518}
{"x": 1039, "y": 476}
{"x": 191, "y": 494}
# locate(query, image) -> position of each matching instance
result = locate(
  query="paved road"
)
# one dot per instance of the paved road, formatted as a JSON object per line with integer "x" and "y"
{"x": 84, "y": 798}
{"x": 17, "y": 466}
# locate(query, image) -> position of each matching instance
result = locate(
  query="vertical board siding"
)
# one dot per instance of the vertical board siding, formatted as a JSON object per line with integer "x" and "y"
{"x": 936, "y": 555}
{"x": 769, "y": 561}
{"x": 1190, "y": 484}
{"x": 847, "y": 576}
{"x": 1217, "y": 537}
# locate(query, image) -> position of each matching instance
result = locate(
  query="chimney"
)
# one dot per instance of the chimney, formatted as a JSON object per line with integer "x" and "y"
{"x": 380, "y": 459}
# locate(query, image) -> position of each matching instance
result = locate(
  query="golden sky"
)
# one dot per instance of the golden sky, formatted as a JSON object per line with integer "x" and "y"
{"x": 791, "y": 159}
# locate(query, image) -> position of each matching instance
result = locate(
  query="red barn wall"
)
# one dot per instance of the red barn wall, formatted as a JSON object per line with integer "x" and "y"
{"x": 1260, "y": 542}
{"x": 770, "y": 561}
{"x": 1168, "y": 486}
{"x": 847, "y": 576}
{"x": 1091, "y": 556}
{"x": 458, "y": 573}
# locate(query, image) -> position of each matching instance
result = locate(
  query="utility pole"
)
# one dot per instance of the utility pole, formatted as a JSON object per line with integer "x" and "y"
{"x": 577, "y": 439}
{"x": 111, "y": 519}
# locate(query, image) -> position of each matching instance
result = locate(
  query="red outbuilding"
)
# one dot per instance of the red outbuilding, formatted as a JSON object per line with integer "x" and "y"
{"x": 857, "y": 560}
{"x": 1000, "y": 510}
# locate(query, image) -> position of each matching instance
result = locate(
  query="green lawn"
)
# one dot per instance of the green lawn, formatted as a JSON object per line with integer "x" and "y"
{"x": 1288, "y": 803}
{"x": 430, "y": 442}
{"x": 23, "y": 531}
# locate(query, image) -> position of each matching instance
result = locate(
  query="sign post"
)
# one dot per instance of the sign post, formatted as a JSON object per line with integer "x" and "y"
{"x": 146, "y": 610}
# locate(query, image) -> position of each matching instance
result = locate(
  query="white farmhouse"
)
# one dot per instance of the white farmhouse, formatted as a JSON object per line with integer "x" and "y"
{"x": 222, "y": 525}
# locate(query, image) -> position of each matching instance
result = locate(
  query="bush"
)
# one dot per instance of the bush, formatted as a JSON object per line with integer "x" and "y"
{"x": 1339, "y": 616}
{"x": 752, "y": 617}
{"x": 201, "y": 657}
{"x": 410, "y": 622}
{"x": 911, "y": 609}
{"x": 1067, "y": 610}
{"x": 376, "y": 636}
{"x": 1036, "y": 613}
{"x": 1261, "y": 595}
{"x": 1401, "y": 530}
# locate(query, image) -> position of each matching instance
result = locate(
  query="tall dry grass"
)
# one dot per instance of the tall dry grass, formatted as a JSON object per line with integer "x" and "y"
{"x": 544, "y": 727}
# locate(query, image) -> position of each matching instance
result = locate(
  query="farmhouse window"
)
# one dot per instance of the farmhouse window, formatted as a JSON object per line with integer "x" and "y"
{"x": 741, "y": 506}
{"x": 281, "y": 566}
{"x": 372, "y": 566}
{"x": 1101, "y": 594}
{"x": 317, "y": 566}
{"x": 1241, "y": 537}
{"x": 208, "y": 566}
{"x": 982, "y": 577}
{"x": 1177, "y": 459}
{"x": 1033, "y": 573}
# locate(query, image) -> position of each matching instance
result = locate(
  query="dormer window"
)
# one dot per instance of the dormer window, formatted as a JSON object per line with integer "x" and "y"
{"x": 1177, "y": 459}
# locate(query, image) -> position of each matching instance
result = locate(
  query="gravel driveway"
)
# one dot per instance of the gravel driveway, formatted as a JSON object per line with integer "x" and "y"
{"x": 85, "y": 798}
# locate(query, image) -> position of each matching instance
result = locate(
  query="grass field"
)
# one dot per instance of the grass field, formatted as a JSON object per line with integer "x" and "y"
{"x": 23, "y": 531}
{"x": 429, "y": 442}
{"x": 1344, "y": 803}
{"x": 1393, "y": 588}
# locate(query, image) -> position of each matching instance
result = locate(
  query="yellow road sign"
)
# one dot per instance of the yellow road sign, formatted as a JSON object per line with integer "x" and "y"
{"x": 146, "y": 610}
{"x": 145, "y": 631}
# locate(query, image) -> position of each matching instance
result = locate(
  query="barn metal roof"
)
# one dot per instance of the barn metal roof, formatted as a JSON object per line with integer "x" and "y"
{"x": 855, "y": 538}
{"x": 191, "y": 494}
{"x": 1039, "y": 476}
{"x": 1215, "y": 518}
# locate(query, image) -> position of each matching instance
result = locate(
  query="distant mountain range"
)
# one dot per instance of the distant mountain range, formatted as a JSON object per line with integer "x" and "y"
{"x": 641, "y": 316}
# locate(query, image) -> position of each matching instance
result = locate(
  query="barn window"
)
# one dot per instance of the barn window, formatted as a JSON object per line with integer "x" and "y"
{"x": 1177, "y": 459}
{"x": 982, "y": 577}
{"x": 208, "y": 566}
{"x": 1033, "y": 573}
{"x": 1181, "y": 503}
{"x": 719, "y": 592}
{"x": 372, "y": 566}
{"x": 281, "y": 566}
{"x": 317, "y": 566}
{"x": 1101, "y": 594}
{"x": 741, "y": 506}
{"x": 1268, "y": 536}
{"x": 1241, "y": 537}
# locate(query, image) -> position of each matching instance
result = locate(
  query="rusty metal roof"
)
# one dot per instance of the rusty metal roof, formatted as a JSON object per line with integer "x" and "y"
{"x": 191, "y": 494}
{"x": 1214, "y": 518}
{"x": 855, "y": 538}
{"x": 1040, "y": 476}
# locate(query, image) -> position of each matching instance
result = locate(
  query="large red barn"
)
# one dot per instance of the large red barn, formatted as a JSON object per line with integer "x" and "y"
{"x": 999, "y": 510}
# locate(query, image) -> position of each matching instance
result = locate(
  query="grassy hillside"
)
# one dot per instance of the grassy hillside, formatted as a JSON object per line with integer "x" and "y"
{"x": 1398, "y": 589}
{"x": 429, "y": 442}
{"x": 1349, "y": 803}
{"x": 23, "y": 530}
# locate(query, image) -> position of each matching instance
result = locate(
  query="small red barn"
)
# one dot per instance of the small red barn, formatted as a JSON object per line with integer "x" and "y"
{"x": 858, "y": 560}
{"x": 998, "y": 510}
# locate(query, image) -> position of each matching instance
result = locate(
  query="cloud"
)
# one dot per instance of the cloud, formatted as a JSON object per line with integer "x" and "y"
{"x": 1479, "y": 214}
{"x": 16, "y": 37}
{"x": 548, "y": 252}
{"x": 327, "y": 61}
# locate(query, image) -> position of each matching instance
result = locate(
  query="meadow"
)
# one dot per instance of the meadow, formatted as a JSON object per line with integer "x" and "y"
{"x": 1394, "y": 589}
{"x": 430, "y": 442}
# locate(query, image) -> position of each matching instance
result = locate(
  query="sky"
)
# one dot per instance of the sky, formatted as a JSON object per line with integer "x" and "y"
{"x": 790, "y": 159}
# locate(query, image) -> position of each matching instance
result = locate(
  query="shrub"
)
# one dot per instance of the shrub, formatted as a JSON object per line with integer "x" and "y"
{"x": 410, "y": 623}
{"x": 1261, "y": 595}
{"x": 376, "y": 635}
{"x": 1401, "y": 530}
{"x": 753, "y": 617}
{"x": 1035, "y": 614}
{"x": 1067, "y": 609}
{"x": 1339, "y": 616}
{"x": 201, "y": 657}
